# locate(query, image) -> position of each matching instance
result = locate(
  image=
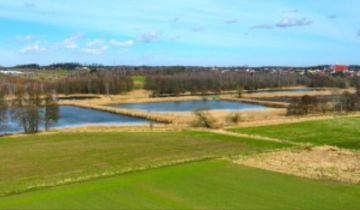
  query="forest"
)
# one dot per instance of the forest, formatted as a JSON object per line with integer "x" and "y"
{"x": 34, "y": 103}
{"x": 202, "y": 82}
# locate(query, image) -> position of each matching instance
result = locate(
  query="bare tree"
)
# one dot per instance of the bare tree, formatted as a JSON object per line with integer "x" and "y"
{"x": 3, "y": 109}
{"x": 26, "y": 108}
{"x": 51, "y": 111}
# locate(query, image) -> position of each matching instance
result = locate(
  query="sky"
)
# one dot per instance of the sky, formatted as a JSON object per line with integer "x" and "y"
{"x": 180, "y": 32}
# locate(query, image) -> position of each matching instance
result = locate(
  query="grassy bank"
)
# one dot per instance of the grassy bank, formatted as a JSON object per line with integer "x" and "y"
{"x": 30, "y": 162}
{"x": 202, "y": 185}
{"x": 340, "y": 131}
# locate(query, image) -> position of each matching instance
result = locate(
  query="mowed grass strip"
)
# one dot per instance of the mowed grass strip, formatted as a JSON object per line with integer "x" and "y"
{"x": 201, "y": 185}
{"x": 342, "y": 132}
{"x": 31, "y": 162}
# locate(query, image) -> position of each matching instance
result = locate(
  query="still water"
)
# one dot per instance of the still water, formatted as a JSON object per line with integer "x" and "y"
{"x": 188, "y": 106}
{"x": 71, "y": 116}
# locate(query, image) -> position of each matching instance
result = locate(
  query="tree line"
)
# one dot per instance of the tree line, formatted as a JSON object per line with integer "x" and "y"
{"x": 305, "y": 105}
{"x": 33, "y": 104}
{"x": 95, "y": 82}
{"x": 204, "y": 81}
{"x": 87, "y": 82}
{"x": 212, "y": 81}
{"x": 32, "y": 107}
{"x": 347, "y": 102}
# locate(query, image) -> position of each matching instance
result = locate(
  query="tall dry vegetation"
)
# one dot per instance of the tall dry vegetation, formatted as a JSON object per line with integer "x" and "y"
{"x": 205, "y": 119}
{"x": 345, "y": 103}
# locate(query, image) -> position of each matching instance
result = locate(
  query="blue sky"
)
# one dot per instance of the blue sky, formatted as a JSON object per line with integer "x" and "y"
{"x": 180, "y": 32}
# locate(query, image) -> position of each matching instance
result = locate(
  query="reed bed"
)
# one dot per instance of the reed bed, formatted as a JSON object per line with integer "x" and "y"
{"x": 320, "y": 92}
{"x": 290, "y": 119}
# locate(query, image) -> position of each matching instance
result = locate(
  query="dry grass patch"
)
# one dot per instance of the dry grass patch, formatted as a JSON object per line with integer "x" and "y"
{"x": 325, "y": 162}
{"x": 255, "y": 101}
{"x": 282, "y": 118}
{"x": 328, "y": 91}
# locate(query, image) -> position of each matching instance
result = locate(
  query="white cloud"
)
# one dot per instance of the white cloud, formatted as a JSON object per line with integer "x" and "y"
{"x": 293, "y": 22}
{"x": 121, "y": 43}
{"x": 25, "y": 38}
{"x": 33, "y": 48}
{"x": 95, "y": 47}
{"x": 95, "y": 51}
{"x": 70, "y": 42}
{"x": 150, "y": 37}
{"x": 95, "y": 42}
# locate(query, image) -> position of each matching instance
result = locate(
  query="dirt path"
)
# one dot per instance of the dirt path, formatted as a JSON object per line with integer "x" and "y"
{"x": 263, "y": 138}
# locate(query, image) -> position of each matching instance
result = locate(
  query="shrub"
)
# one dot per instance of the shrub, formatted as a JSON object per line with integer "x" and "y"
{"x": 204, "y": 119}
{"x": 234, "y": 117}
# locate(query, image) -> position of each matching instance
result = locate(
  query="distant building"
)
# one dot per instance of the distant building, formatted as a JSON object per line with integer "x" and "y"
{"x": 340, "y": 68}
{"x": 8, "y": 72}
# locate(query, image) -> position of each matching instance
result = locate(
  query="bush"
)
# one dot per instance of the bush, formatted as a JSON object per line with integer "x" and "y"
{"x": 304, "y": 106}
{"x": 205, "y": 120}
{"x": 234, "y": 117}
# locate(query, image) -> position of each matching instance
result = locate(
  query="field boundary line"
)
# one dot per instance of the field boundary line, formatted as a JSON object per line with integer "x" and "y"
{"x": 257, "y": 137}
{"x": 105, "y": 175}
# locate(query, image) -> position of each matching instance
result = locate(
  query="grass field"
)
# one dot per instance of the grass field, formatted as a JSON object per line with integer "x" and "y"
{"x": 138, "y": 82}
{"x": 200, "y": 185}
{"x": 31, "y": 162}
{"x": 342, "y": 132}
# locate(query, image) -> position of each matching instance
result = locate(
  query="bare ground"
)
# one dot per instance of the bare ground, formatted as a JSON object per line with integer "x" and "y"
{"x": 325, "y": 162}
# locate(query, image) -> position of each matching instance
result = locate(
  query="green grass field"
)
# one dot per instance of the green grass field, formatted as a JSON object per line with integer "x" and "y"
{"x": 201, "y": 185}
{"x": 47, "y": 160}
{"x": 167, "y": 170}
{"x": 138, "y": 82}
{"x": 341, "y": 132}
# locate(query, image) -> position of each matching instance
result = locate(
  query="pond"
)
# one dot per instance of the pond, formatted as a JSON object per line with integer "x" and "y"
{"x": 71, "y": 116}
{"x": 188, "y": 106}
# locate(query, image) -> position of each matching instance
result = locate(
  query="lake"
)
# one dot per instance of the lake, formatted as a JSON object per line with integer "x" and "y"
{"x": 71, "y": 116}
{"x": 188, "y": 106}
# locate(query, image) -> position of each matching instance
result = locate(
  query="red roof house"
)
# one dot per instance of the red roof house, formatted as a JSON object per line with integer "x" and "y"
{"x": 341, "y": 68}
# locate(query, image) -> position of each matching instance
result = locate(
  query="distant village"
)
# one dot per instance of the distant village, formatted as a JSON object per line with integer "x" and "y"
{"x": 333, "y": 70}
